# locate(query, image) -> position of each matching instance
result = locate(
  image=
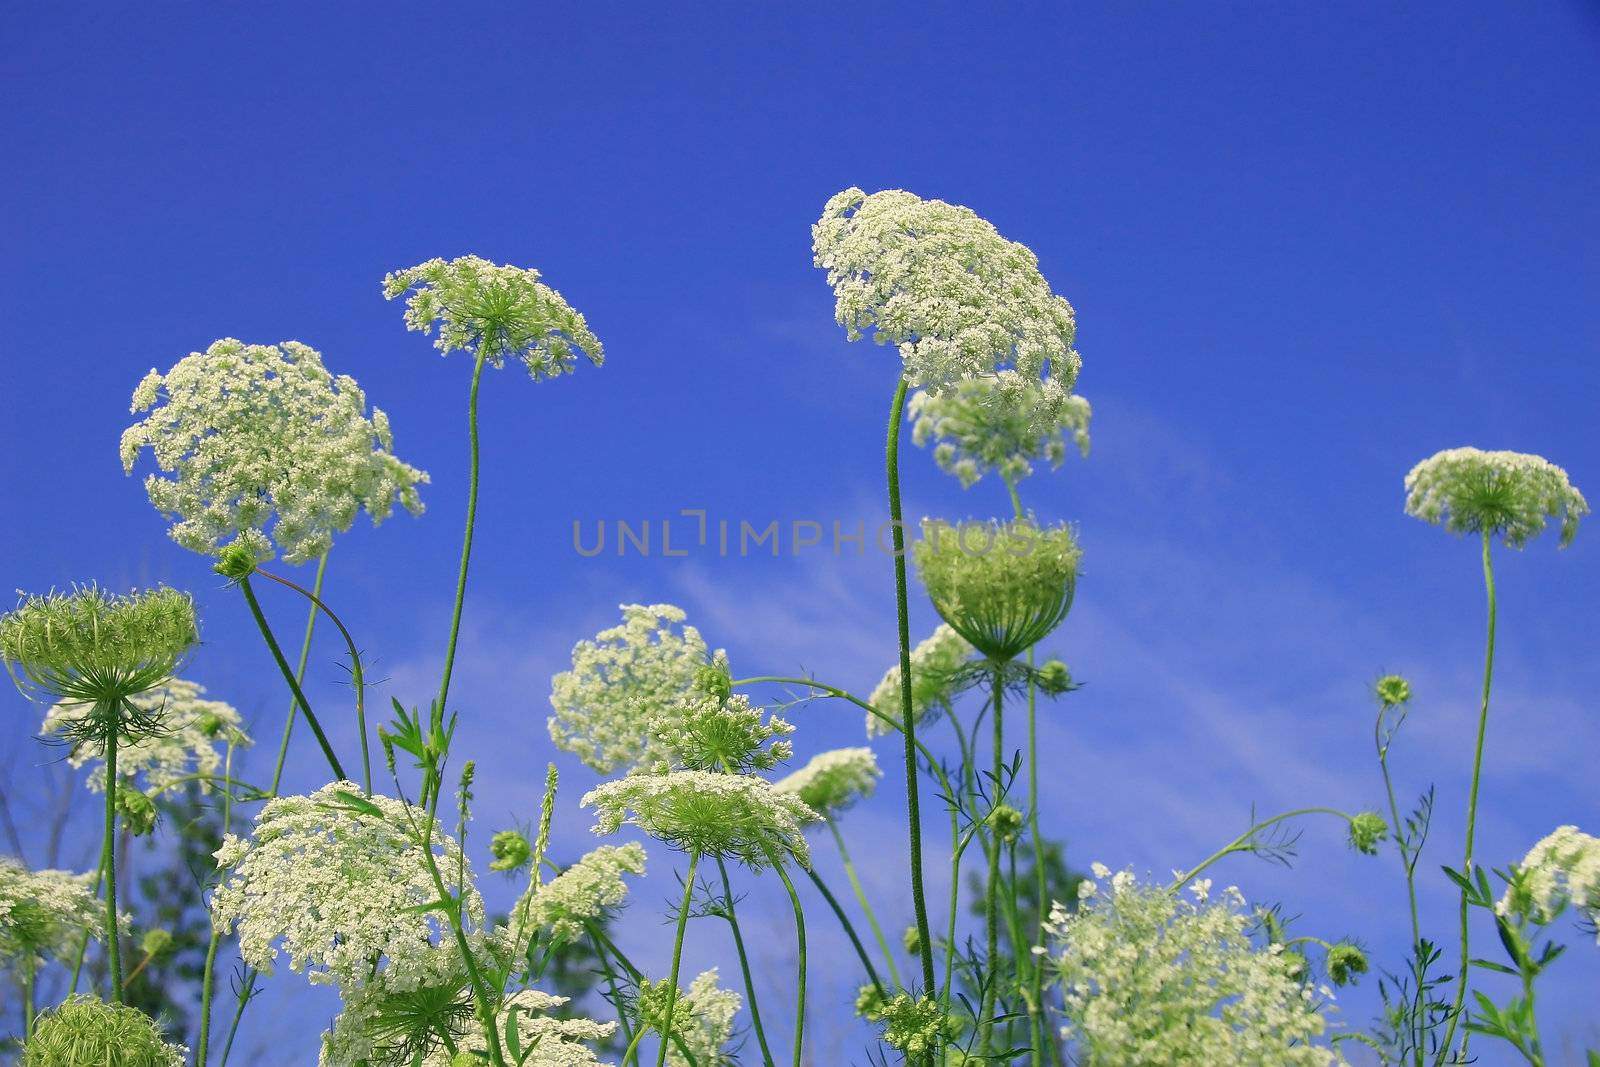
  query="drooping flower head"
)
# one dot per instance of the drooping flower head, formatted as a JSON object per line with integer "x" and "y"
{"x": 84, "y": 1030}
{"x": 192, "y": 728}
{"x": 623, "y": 679}
{"x": 729, "y": 735}
{"x": 702, "y": 1017}
{"x": 493, "y": 312}
{"x": 979, "y": 426}
{"x": 735, "y": 816}
{"x": 44, "y": 914}
{"x": 1562, "y": 870}
{"x": 832, "y": 781}
{"x": 1004, "y": 586}
{"x": 261, "y": 446}
{"x": 583, "y": 892}
{"x": 1149, "y": 979}
{"x": 1512, "y": 495}
{"x": 335, "y": 880}
{"x": 99, "y": 649}
{"x": 937, "y": 281}
{"x": 934, "y": 664}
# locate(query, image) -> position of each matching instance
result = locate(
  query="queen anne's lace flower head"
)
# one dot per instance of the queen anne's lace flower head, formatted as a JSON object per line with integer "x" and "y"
{"x": 728, "y": 815}
{"x": 1509, "y": 494}
{"x": 1004, "y": 586}
{"x": 702, "y": 1017}
{"x": 934, "y": 664}
{"x": 334, "y": 885}
{"x": 43, "y": 914}
{"x": 832, "y": 781}
{"x": 1149, "y": 979}
{"x": 253, "y": 436}
{"x": 1562, "y": 870}
{"x": 727, "y": 734}
{"x": 494, "y": 311}
{"x": 625, "y": 678}
{"x": 584, "y": 891}
{"x": 192, "y": 728}
{"x": 940, "y": 283}
{"x": 980, "y": 426}
{"x": 84, "y": 1030}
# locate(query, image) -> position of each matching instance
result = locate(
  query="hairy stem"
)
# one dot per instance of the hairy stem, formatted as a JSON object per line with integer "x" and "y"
{"x": 289, "y": 677}
{"x": 108, "y": 859}
{"x": 300, "y": 675}
{"x": 466, "y": 539}
{"x": 866, "y": 907}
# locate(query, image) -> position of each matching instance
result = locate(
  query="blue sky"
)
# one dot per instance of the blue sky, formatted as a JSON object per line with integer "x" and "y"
{"x": 1307, "y": 247}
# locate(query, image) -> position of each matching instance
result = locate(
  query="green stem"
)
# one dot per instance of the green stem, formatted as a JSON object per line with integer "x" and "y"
{"x": 83, "y": 943}
{"x": 357, "y": 674}
{"x": 850, "y": 931}
{"x": 1472, "y": 810}
{"x": 744, "y": 964}
{"x": 247, "y": 989}
{"x": 294, "y": 683}
{"x": 208, "y": 973}
{"x": 27, "y": 1000}
{"x": 1408, "y": 860}
{"x": 611, "y": 984}
{"x": 919, "y": 902}
{"x": 300, "y": 674}
{"x": 108, "y": 859}
{"x": 866, "y": 907}
{"x": 1241, "y": 843}
{"x": 800, "y": 945}
{"x": 677, "y": 958}
{"x": 466, "y": 540}
{"x": 991, "y": 902}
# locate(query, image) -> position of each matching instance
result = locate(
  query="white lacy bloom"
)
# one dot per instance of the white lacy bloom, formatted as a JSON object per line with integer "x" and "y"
{"x": 44, "y": 913}
{"x": 702, "y": 1017}
{"x": 548, "y": 1041}
{"x": 333, "y": 886}
{"x": 729, "y": 815}
{"x": 940, "y": 283}
{"x": 832, "y": 781}
{"x": 191, "y": 729}
{"x": 249, "y": 432}
{"x": 1151, "y": 980}
{"x": 707, "y": 732}
{"x": 584, "y": 891}
{"x": 1512, "y": 494}
{"x": 626, "y": 678}
{"x": 980, "y": 427}
{"x": 933, "y": 663}
{"x": 1563, "y": 869}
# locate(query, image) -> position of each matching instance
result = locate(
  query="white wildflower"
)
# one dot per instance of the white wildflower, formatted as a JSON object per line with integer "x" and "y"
{"x": 729, "y": 815}
{"x": 583, "y": 892}
{"x": 978, "y": 427}
{"x": 832, "y": 781}
{"x": 44, "y": 914}
{"x": 933, "y": 664}
{"x": 702, "y": 1017}
{"x": 1511, "y": 494}
{"x": 1562, "y": 869}
{"x": 703, "y": 732}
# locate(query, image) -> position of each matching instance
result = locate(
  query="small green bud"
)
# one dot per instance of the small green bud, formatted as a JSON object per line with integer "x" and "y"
{"x": 715, "y": 679}
{"x": 870, "y": 1003}
{"x": 137, "y": 811}
{"x": 1392, "y": 690}
{"x": 511, "y": 851}
{"x": 1054, "y": 678}
{"x": 1366, "y": 830}
{"x": 1346, "y": 963}
{"x": 156, "y": 942}
{"x": 236, "y": 562}
{"x": 912, "y": 939}
{"x": 1007, "y": 823}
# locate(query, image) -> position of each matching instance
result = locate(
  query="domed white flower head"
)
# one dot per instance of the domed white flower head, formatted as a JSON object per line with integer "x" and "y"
{"x": 1509, "y": 494}
{"x": 734, "y": 816}
{"x": 832, "y": 781}
{"x": 1148, "y": 978}
{"x": 1562, "y": 870}
{"x": 334, "y": 885}
{"x": 583, "y": 892}
{"x": 264, "y": 447}
{"x": 44, "y": 914}
{"x": 494, "y": 311}
{"x": 627, "y": 677}
{"x": 940, "y": 283}
{"x": 979, "y": 427}
{"x": 934, "y": 664}
{"x": 192, "y": 728}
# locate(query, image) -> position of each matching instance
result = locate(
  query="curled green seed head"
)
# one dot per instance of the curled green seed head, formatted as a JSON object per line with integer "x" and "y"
{"x": 1366, "y": 830}
{"x": 1346, "y": 963}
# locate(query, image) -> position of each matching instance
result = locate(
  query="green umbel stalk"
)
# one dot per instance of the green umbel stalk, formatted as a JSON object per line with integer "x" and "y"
{"x": 800, "y": 975}
{"x": 744, "y": 964}
{"x": 991, "y": 903}
{"x": 300, "y": 675}
{"x": 677, "y": 958}
{"x": 289, "y": 677}
{"x": 919, "y": 903}
{"x": 1472, "y": 811}
{"x": 208, "y": 973}
{"x": 866, "y": 908}
{"x": 108, "y": 860}
{"x": 466, "y": 540}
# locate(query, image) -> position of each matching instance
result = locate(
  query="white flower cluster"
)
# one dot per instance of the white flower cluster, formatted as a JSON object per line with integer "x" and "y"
{"x": 704, "y": 732}
{"x": 1512, "y": 494}
{"x": 933, "y": 663}
{"x": 249, "y": 432}
{"x": 334, "y": 885}
{"x": 191, "y": 729}
{"x": 832, "y": 781}
{"x": 547, "y": 1041}
{"x": 702, "y": 1017}
{"x": 939, "y": 282}
{"x": 43, "y": 913}
{"x": 982, "y": 427}
{"x": 729, "y": 815}
{"x": 625, "y": 678}
{"x": 1562, "y": 869}
{"x": 584, "y": 891}
{"x": 1152, "y": 980}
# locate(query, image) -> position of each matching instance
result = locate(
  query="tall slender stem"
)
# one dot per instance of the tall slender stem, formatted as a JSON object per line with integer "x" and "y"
{"x": 919, "y": 903}
{"x": 744, "y": 964}
{"x": 1242, "y": 842}
{"x": 991, "y": 900}
{"x": 850, "y": 931}
{"x": 288, "y": 676}
{"x": 208, "y": 973}
{"x": 108, "y": 859}
{"x": 866, "y": 905}
{"x": 300, "y": 674}
{"x": 27, "y": 999}
{"x": 677, "y": 958}
{"x": 1472, "y": 807}
{"x": 800, "y": 975}
{"x": 466, "y": 540}
{"x": 1409, "y": 861}
{"x": 83, "y": 943}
